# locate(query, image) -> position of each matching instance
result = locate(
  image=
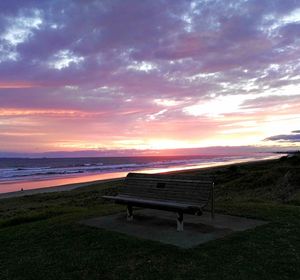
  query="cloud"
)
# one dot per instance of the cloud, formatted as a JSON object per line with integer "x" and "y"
{"x": 206, "y": 63}
{"x": 294, "y": 137}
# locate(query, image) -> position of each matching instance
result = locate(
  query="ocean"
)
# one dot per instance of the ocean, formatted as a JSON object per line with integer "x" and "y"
{"x": 31, "y": 173}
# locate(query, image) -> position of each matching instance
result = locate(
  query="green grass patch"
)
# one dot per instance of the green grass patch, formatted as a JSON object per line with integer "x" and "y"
{"x": 40, "y": 237}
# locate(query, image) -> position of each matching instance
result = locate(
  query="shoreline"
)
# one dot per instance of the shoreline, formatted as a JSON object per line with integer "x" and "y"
{"x": 61, "y": 188}
{"x": 73, "y": 186}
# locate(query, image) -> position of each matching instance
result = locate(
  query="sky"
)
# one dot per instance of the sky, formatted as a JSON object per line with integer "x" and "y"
{"x": 148, "y": 75}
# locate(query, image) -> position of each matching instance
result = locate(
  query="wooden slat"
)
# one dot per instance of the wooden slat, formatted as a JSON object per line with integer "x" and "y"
{"x": 173, "y": 182}
{"x": 172, "y": 185}
{"x": 174, "y": 192}
{"x": 167, "y": 184}
{"x": 167, "y": 188}
{"x": 168, "y": 180}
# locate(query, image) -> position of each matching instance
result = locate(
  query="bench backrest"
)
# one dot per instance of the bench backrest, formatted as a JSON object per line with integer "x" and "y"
{"x": 153, "y": 187}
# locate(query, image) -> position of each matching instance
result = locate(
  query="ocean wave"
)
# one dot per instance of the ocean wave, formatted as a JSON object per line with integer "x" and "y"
{"x": 14, "y": 173}
{"x": 19, "y": 173}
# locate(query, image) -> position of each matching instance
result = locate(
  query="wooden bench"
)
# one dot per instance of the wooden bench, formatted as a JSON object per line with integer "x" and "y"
{"x": 170, "y": 194}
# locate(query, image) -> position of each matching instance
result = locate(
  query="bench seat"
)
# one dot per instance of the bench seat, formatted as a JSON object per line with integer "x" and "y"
{"x": 158, "y": 204}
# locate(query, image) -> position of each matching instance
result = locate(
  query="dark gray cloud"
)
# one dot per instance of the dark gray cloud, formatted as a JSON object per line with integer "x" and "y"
{"x": 92, "y": 44}
{"x": 294, "y": 137}
{"x": 109, "y": 35}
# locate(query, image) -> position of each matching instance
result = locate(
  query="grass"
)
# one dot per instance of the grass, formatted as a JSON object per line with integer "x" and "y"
{"x": 40, "y": 237}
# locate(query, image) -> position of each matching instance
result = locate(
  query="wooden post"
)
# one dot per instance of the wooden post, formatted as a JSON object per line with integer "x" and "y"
{"x": 213, "y": 201}
{"x": 129, "y": 213}
{"x": 179, "y": 221}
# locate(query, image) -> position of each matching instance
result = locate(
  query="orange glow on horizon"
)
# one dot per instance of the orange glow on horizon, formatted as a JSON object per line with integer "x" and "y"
{"x": 16, "y": 85}
{"x": 47, "y": 112}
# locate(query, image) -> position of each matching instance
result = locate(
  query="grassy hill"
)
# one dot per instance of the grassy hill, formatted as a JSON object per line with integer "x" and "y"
{"x": 272, "y": 180}
{"x": 40, "y": 237}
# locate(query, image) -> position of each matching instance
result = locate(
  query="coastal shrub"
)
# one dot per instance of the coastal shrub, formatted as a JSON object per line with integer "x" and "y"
{"x": 294, "y": 160}
{"x": 289, "y": 185}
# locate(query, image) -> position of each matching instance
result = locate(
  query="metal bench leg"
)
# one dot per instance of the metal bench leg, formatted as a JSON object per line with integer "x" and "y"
{"x": 129, "y": 213}
{"x": 179, "y": 221}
